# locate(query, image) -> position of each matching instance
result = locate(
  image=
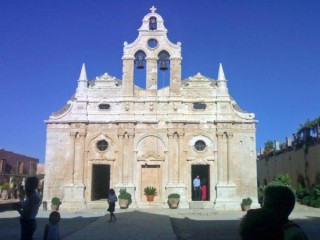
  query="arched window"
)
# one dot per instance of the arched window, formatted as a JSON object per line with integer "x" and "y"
{"x": 153, "y": 23}
{"x": 140, "y": 63}
{"x": 163, "y": 61}
{"x": 140, "y": 58}
{"x": 163, "y": 66}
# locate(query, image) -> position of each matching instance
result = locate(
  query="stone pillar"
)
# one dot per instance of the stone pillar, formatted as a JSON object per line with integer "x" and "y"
{"x": 120, "y": 160}
{"x": 127, "y": 76}
{"x": 180, "y": 156}
{"x": 229, "y": 169}
{"x": 130, "y": 150}
{"x": 170, "y": 157}
{"x": 74, "y": 189}
{"x": 70, "y": 174}
{"x": 79, "y": 158}
{"x": 226, "y": 189}
{"x": 152, "y": 77}
{"x": 221, "y": 161}
{"x": 125, "y": 159}
{"x": 175, "y": 76}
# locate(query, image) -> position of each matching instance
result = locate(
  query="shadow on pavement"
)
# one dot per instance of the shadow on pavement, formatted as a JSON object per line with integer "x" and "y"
{"x": 67, "y": 227}
{"x": 186, "y": 228}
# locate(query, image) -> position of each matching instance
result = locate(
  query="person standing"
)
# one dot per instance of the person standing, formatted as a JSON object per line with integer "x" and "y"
{"x": 204, "y": 189}
{"x": 196, "y": 188}
{"x": 28, "y": 210}
{"x": 112, "y": 198}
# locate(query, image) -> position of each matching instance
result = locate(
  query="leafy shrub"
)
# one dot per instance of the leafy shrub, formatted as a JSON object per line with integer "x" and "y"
{"x": 150, "y": 191}
{"x": 246, "y": 202}
{"x": 55, "y": 201}
{"x": 174, "y": 195}
{"x": 306, "y": 200}
{"x": 124, "y": 194}
{"x": 283, "y": 179}
{"x": 317, "y": 203}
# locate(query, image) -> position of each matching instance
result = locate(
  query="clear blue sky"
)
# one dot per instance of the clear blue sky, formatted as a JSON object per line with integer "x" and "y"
{"x": 270, "y": 51}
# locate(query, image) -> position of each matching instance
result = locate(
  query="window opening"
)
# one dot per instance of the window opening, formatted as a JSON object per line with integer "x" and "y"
{"x": 102, "y": 145}
{"x": 153, "y": 23}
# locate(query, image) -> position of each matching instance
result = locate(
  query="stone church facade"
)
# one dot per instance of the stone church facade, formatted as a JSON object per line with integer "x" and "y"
{"x": 114, "y": 134}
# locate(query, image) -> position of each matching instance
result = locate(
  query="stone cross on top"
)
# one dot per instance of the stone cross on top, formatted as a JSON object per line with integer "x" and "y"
{"x": 153, "y": 9}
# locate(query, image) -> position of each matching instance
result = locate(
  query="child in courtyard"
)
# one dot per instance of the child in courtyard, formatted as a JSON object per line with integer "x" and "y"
{"x": 112, "y": 203}
{"x": 51, "y": 230}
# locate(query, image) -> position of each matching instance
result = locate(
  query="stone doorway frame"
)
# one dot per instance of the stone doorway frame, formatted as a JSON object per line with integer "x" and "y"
{"x": 99, "y": 184}
{"x": 203, "y": 170}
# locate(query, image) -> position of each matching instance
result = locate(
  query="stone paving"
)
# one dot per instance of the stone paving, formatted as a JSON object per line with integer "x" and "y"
{"x": 151, "y": 224}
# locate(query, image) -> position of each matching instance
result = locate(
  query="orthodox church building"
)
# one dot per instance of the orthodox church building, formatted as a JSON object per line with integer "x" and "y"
{"x": 114, "y": 134}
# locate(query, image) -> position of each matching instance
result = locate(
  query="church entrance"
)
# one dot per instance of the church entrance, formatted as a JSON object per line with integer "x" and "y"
{"x": 100, "y": 181}
{"x": 150, "y": 177}
{"x": 203, "y": 171}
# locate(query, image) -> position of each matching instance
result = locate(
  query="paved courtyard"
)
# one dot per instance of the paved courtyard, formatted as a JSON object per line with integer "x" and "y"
{"x": 164, "y": 224}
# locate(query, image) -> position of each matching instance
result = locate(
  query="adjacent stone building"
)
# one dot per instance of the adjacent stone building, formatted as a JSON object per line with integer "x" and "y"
{"x": 15, "y": 167}
{"x": 114, "y": 134}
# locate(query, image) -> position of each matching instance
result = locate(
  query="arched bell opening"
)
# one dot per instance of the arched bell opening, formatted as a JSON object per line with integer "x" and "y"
{"x": 153, "y": 23}
{"x": 163, "y": 69}
{"x": 140, "y": 69}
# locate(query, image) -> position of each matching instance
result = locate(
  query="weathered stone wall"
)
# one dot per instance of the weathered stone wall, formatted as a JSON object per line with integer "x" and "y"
{"x": 295, "y": 162}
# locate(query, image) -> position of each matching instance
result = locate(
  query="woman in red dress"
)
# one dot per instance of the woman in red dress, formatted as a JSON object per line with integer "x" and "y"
{"x": 204, "y": 189}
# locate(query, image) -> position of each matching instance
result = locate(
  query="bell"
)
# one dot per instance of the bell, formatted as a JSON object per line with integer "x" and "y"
{"x": 140, "y": 65}
{"x": 163, "y": 66}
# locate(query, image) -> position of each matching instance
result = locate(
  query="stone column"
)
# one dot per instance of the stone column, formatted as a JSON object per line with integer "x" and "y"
{"x": 130, "y": 150}
{"x": 170, "y": 157}
{"x": 127, "y": 76}
{"x": 175, "y": 76}
{"x": 229, "y": 169}
{"x": 221, "y": 161}
{"x": 74, "y": 191}
{"x": 125, "y": 159}
{"x": 70, "y": 175}
{"x": 79, "y": 158}
{"x": 152, "y": 77}
{"x": 180, "y": 157}
{"x": 120, "y": 159}
{"x": 226, "y": 190}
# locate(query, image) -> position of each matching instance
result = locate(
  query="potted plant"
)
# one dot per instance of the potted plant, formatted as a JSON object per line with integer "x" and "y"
{"x": 124, "y": 198}
{"x": 150, "y": 192}
{"x": 246, "y": 203}
{"x": 5, "y": 190}
{"x": 55, "y": 203}
{"x": 173, "y": 200}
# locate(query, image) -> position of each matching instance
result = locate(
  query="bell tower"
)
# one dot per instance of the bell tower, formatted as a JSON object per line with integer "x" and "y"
{"x": 152, "y": 52}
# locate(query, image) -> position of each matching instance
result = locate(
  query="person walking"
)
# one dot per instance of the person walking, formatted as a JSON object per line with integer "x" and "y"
{"x": 196, "y": 188}
{"x": 28, "y": 210}
{"x": 112, "y": 198}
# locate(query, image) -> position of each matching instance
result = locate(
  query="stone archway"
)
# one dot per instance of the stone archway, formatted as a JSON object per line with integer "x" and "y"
{"x": 151, "y": 155}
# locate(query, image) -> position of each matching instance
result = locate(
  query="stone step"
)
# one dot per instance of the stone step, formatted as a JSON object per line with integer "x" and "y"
{"x": 196, "y": 204}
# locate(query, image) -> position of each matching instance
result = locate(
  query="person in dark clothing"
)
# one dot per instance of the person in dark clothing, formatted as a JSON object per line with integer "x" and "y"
{"x": 112, "y": 203}
{"x": 271, "y": 221}
{"x": 28, "y": 210}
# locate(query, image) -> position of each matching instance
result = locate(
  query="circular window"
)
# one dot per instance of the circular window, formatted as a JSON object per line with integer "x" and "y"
{"x": 152, "y": 43}
{"x": 200, "y": 145}
{"x": 102, "y": 145}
